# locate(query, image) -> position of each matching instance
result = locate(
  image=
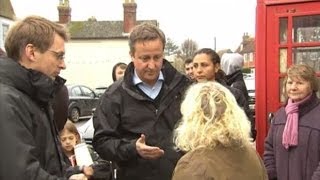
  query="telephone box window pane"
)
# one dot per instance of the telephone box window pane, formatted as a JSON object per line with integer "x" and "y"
{"x": 283, "y": 60}
{"x": 307, "y": 55}
{"x": 283, "y": 35}
{"x": 306, "y": 29}
{"x": 281, "y": 91}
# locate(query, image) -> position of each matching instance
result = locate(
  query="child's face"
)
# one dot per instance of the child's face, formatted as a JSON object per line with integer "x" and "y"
{"x": 68, "y": 140}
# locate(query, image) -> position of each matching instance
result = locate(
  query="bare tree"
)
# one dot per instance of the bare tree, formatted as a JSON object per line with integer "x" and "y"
{"x": 188, "y": 47}
{"x": 170, "y": 48}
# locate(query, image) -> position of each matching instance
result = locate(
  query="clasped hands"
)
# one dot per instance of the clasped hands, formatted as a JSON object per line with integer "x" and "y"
{"x": 87, "y": 173}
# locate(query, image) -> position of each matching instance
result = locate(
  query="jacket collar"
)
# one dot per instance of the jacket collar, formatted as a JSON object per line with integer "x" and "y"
{"x": 231, "y": 78}
{"x": 308, "y": 105}
{"x": 35, "y": 84}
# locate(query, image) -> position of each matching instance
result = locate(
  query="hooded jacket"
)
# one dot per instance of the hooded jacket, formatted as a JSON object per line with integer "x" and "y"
{"x": 231, "y": 64}
{"x": 29, "y": 145}
{"x": 124, "y": 113}
{"x": 236, "y": 80}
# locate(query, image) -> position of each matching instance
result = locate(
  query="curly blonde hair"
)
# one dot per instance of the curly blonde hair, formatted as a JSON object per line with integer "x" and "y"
{"x": 211, "y": 117}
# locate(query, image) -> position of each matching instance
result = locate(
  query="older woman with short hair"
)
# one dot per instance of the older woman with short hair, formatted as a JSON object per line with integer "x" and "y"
{"x": 292, "y": 146}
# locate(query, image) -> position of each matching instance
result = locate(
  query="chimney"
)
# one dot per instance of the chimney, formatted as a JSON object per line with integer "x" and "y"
{"x": 129, "y": 15}
{"x": 64, "y": 12}
{"x": 245, "y": 37}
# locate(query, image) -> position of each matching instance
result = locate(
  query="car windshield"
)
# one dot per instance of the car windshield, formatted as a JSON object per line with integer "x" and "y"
{"x": 250, "y": 83}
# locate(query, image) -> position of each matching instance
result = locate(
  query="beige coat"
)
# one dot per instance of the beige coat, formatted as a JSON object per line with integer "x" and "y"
{"x": 221, "y": 164}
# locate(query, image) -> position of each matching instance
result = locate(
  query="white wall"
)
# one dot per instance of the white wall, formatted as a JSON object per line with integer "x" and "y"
{"x": 3, "y": 22}
{"x": 90, "y": 62}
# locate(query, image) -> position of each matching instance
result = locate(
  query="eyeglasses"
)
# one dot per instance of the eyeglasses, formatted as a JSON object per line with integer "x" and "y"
{"x": 58, "y": 55}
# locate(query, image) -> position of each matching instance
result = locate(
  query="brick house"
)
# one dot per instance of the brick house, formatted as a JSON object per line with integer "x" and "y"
{"x": 247, "y": 49}
{"x": 95, "y": 46}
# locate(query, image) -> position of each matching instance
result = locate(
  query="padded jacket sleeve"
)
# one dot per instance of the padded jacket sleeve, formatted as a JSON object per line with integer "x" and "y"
{"x": 106, "y": 141}
{"x": 268, "y": 156}
{"x": 19, "y": 152}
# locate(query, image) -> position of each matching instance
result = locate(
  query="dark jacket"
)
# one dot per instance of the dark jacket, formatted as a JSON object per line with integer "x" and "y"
{"x": 242, "y": 102}
{"x": 124, "y": 113}
{"x": 221, "y": 163}
{"x": 236, "y": 80}
{"x": 29, "y": 145}
{"x": 300, "y": 162}
{"x": 60, "y": 107}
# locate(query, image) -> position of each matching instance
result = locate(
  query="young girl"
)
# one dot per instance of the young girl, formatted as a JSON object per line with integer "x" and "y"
{"x": 70, "y": 137}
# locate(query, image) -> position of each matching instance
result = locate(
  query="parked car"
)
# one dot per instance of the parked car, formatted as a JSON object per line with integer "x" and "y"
{"x": 100, "y": 90}
{"x": 82, "y": 102}
{"x": 86, "y": 131}
{"x": 250, "y": 84}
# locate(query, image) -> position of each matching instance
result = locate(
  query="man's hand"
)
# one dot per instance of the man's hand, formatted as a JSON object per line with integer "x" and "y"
{"x": 147, "y": 152}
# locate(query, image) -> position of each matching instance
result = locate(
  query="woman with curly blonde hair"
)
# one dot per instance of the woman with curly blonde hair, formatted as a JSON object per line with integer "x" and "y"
{"x": 215, "y": 133}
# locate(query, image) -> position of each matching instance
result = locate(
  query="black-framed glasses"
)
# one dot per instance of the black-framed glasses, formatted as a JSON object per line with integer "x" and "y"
{"x": 58, "y": 55}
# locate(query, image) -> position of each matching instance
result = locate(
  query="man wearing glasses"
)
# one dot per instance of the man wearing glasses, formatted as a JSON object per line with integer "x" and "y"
{"x": 29, "y": 78}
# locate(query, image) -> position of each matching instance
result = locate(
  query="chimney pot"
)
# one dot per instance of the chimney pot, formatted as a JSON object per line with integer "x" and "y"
{"x": 129, "y": 16}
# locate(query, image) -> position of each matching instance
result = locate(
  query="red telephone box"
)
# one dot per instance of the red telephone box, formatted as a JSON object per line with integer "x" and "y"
{"x": 287, "y": 32}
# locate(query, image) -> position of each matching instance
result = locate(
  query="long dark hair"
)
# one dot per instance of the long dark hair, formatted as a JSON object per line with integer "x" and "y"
{"x": 220, "y": 76}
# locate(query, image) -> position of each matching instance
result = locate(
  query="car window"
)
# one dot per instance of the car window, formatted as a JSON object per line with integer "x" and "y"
{"x": 250, "y": 83}
{"x": 87, "y": 92}
{"x": 76, "y": 91}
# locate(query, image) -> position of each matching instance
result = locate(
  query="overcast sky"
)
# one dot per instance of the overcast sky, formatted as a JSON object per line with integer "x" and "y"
{"x": 200, "y": 20}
